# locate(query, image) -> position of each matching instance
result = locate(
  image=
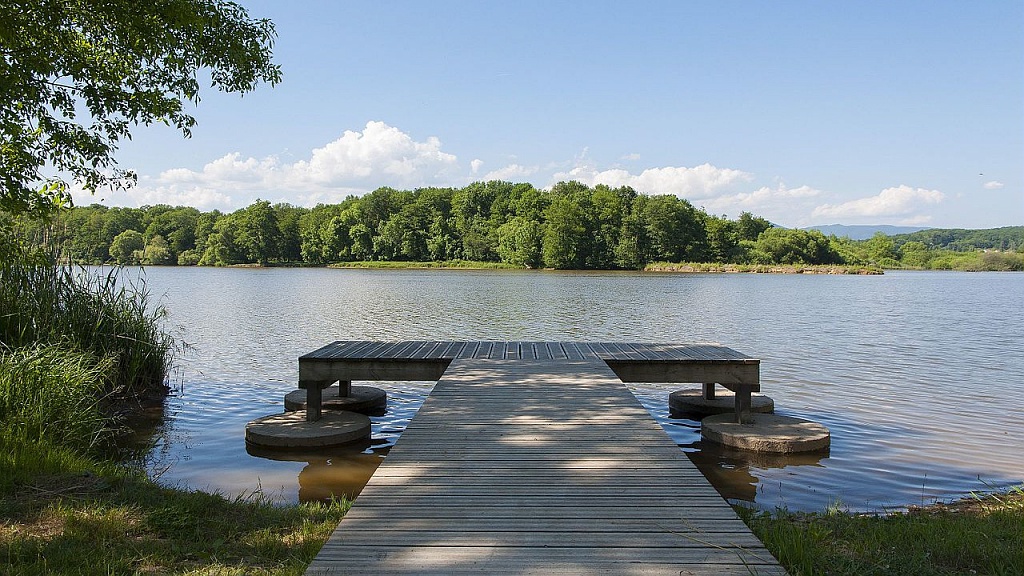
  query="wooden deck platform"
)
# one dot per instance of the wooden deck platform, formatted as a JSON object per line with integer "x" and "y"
{"x": 706, "y": 364}
{"x": 538, "y": 466}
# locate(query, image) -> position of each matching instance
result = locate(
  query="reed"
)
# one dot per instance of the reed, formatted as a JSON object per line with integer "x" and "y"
{"x": 49, "y": 303}
{"x": 52, "y": 394}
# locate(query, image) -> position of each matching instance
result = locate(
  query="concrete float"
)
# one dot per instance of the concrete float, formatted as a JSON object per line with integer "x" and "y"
{"x": 362, "y": 399}
{"x": 291, "y": 430}
{"x": 766, "y": 433}
{"x": 693, "y": 402}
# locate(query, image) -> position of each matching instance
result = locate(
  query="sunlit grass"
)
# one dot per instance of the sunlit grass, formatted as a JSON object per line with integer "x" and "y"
{"x": 62, "y": 513}
{"x": 54, "y": 394}
{"x": 453, "y": 264}
{"x": 714, "y": 268}
{"x": 982, "y": 535}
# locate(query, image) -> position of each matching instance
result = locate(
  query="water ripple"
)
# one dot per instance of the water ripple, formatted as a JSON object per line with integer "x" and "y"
{"x": 917, "y": 375}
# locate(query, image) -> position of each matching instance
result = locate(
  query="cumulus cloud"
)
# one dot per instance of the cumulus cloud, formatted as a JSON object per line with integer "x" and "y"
{"x": 633, "y": 156}
{"x": 358, "y": 161}
{"x": 761, "y": 198}
{"x": 379, "y": 151}
{"x": 780, "y": 204}
{"x": 475, "y": 165}
{"x": 900, "y": 201}
{"x": 993, "y": 185}
{"x": 699, "y": 182}
{"x": 512, "y": 172}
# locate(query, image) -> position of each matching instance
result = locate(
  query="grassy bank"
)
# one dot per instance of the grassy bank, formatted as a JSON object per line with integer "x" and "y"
{"x": 62, "y": 513}
{"x": 452, "y": 264}
{"x": 983, "y": 535}
{"x": 716, "y": 268}
{"x": 692, "y": 267}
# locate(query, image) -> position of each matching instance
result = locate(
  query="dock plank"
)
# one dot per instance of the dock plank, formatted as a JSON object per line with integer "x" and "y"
{"x": 425, "y": 350}
{"x": 525, "y": 465}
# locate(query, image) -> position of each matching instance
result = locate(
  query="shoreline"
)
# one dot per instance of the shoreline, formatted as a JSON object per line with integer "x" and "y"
{"x": 710, "y": 268}
{"x": 977, "y": 534}
{"x": 657, "y": 267}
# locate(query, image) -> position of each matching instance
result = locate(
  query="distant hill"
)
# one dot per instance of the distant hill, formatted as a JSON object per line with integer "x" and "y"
{"x": 1006, "y": 238}
{"x": 864, "y": 232}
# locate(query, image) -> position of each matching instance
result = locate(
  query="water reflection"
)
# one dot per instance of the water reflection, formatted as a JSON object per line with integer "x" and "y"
{"x": 332, "y": 473}
{"x": 730, "y": 471}
{"x": 138, "y": 435}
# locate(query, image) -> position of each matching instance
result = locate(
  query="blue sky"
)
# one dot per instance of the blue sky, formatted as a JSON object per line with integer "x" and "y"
{"x": 802, "y": 112}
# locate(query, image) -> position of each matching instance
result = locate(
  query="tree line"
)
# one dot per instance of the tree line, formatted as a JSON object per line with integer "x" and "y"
{"x": 1007, "y": 239}
{"x": 570, "y": 226}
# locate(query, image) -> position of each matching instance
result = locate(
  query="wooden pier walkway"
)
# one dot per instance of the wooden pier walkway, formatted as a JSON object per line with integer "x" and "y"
{"x": 537, "y": 466}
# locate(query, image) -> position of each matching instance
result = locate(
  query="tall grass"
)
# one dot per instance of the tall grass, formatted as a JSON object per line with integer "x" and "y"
{"x": 76, "y": 349}
{"x": 54, "y": 395}
{"x": 44, "y": 302}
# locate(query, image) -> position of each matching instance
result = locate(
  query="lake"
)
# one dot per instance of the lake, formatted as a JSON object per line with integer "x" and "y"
{"x": 918, "y": 375}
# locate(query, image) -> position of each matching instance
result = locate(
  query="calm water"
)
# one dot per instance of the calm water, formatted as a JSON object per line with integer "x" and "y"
{"x": 919, "y": 376}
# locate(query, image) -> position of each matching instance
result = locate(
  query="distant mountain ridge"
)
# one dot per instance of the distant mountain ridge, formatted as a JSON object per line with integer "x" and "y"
{"x": 1006, "y": 238}
{"x": 865, "y": 231}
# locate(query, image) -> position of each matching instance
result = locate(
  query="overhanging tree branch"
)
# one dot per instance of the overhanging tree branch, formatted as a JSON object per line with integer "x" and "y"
{"x": 127, "y": 63}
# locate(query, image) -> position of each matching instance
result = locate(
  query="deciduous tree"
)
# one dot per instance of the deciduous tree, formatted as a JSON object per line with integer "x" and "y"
{"x": 125, "y": 245}
{"x": 77, "y": 75}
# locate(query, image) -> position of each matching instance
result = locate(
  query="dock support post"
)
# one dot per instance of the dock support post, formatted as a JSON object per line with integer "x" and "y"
{"x": 314, "y": 397}
{"x": 709, "y": 390}
{"x": 314, "y": 403}
{"x": 742, "y": 404}
{"x": 344, "y": 388}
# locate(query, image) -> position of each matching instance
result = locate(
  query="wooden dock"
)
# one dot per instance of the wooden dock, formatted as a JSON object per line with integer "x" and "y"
{"x": 536, "y": 466}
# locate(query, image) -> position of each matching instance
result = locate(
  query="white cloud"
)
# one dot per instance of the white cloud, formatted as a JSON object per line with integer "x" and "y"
{"x": 380, "y": 155}
{"x": 993, "y": 185}
{"x": 200, "y": 197}
{"x": 919, "y": 220}
{"x": 475, "y": 165}
{"x": 779, "y": 204}
{"x": 633, "y": 156}
{"x": 891, "y": 202}
{"x": 512, "y": 172}
{"x": 380, "y": 151}
{"x": 695, "y": 183}
{"x": 761, "y": 198}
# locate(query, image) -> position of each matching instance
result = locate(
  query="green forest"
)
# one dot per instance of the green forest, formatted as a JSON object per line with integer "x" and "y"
{"x": 570, "y": 226}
